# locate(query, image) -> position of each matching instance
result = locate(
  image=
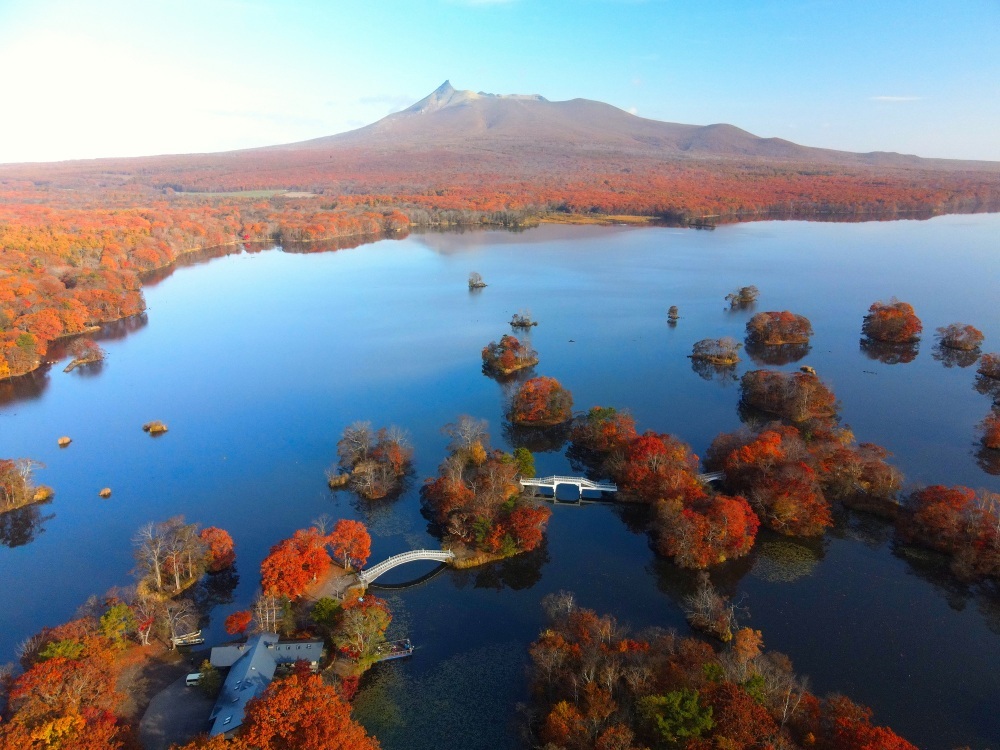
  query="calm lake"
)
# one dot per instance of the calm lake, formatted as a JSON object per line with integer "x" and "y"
{"x": 257, "y": 361}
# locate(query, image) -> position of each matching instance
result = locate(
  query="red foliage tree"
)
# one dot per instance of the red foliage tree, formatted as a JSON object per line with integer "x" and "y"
{"x": 508, "y": 356}
{"x": 238, "y": 622}
{"x": 989, "y": 366}
{"x": 938, "y": 516}
{"x": 541, "y": 402}
{"x": 301, "y": 712}
{"x": 659, "y": 467}
{"x": 771, "y": 470}
{"x": 526, "y": 525}
{"x": 960, "y": 336}
{"x": 294, "y": 563}
{"x": 221, "y": 551}
{"x": 476, "y": 499}
{"x": 604, "y": 430}
{"x": 990, "y": 428}
{"x": 777, "y": 328}
{"x": 892, "y": 322}
{"x": 708, "y": 532}
{"x": 350, "y": 543}
{"x": 796, "y": 396}
{"x": 848, "y": 727}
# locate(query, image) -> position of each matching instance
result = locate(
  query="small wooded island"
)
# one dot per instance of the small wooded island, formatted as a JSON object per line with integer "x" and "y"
{"x": 476, "y": 501}
{"x": 508, "y": 356}
{"x": 373, "y": 463}
{"x": 541, "y": 402}
{"x": 778, "y": 329}
{"x": 723, "y": 352}
{"x": 892, "y": 322}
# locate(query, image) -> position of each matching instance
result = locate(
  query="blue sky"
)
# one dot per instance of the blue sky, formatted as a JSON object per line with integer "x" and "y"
{"x": 132, "y": 77}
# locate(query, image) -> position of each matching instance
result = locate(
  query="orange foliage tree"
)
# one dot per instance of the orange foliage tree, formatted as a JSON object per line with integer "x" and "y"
{"x": 990, "y": 428}
{"x": 221, "y": 552}
{"x": 238, "y": 622}
{"x": 508, "y": 356}
{"x": 66, "y": 696}
{"x": 797, "y": 396}
{"x": 959, "y": 522}
{"x": 593, "y": 686}
{"x": 541, "y": 402}
{"x": 989, "y": 366}
{"x": 777, "y": 328}
{"x": 301, "y": 712}
{"x": 294, "y": 563}
{"x": 351, "y": 543}
{"x": 476, "y": 499}
{"x": 893, "y": 322}
{"x": 657, "y": 466}
{"x": 706, "y": 532}
{"x": 960, "y": 336}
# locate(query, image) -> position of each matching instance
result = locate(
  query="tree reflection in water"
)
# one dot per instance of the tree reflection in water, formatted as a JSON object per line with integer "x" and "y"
{"x": 537, "y": 439}
{"x": 785, "y": 354}
{"x": 517, "y": 573}
{"x": 783, "y": 560}
{"x": 21, "y": 526}
{"x": 889, "y": 354}
{"x": 988, "y": 460}
{"x": 724, "y": 374}
{"x": 988, "y": 387}
{"x": 950, "y": 357}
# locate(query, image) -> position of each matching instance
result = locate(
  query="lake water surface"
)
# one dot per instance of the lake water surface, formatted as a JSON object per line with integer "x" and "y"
{"x": 257, "y": 361}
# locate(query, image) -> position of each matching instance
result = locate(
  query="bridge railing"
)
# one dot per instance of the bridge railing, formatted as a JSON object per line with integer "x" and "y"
{"x": 581, "y": 482}
{"x": 370, "y": 574}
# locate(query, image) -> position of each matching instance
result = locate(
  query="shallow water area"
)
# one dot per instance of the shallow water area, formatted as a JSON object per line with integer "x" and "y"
{"x": 256, "y": 362}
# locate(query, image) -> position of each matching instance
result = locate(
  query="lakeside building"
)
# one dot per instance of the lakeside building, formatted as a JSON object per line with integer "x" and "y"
{"x": 251, "y": 668}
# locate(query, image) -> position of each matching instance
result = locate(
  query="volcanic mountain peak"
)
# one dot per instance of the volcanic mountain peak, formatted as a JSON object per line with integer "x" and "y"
{"x": 447, "y": 95}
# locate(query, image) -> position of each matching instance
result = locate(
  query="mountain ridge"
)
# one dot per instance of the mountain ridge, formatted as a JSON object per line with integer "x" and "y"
{"x": 449, "y": 116}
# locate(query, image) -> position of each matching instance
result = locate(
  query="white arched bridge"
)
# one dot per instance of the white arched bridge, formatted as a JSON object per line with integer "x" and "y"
{"x": 583, "y": 484}
{"x": 365, "y": 577}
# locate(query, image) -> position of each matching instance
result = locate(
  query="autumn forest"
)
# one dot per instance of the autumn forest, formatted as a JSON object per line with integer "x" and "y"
{"x": 321, "y": 471}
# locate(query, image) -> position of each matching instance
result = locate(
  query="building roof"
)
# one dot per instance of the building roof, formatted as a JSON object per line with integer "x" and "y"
{"x": 252, "y": 666}
{"x": 282, "y": 652}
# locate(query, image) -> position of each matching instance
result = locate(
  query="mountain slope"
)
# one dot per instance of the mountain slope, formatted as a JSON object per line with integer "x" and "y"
{"x": 449, "y": 118}
{"x": 461, "y": 139}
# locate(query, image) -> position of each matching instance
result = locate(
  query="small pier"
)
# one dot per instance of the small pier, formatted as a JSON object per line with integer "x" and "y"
{"x": 394, "y": 650}
{"x": 188, "y": 639}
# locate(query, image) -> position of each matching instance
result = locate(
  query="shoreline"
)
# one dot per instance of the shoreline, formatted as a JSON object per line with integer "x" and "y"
{"x": 547, "y": 217}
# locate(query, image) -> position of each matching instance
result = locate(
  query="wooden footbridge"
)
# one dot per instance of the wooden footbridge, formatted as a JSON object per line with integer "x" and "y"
{"x": 366, "y": 576}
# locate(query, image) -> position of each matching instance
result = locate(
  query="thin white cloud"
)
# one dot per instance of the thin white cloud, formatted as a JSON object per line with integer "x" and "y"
{"x": 895, "y": 98}
{"x": 633, "y": 110}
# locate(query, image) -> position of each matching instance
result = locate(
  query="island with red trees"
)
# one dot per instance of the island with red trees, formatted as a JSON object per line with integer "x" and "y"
{"x": 595, "y": 685}
{"x": 892, "y": 322}
{"x": 476, "y": 502}
{"x": 541, "y": 402}
{"x": 778, "y": 329}
{"x": 508, "y": 356}
{"x": 796, "y": 396}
